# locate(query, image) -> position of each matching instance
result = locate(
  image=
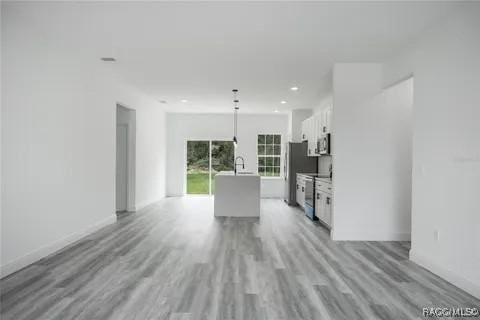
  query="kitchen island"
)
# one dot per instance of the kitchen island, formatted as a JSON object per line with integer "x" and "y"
{"x": 237, "y": 195}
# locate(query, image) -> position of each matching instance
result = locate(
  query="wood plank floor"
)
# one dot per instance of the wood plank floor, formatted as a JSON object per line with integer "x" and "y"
{"x": 174, "y": 260}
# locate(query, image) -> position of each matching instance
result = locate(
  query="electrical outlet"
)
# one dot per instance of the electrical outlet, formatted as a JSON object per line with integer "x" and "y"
{"x": 436, "y": 235}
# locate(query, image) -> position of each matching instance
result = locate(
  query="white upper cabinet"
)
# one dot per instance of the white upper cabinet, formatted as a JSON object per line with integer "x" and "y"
{"x": 309, "y": 135}
{"x": 307, "y": 127}
{"x": 305, "y": 130}
{"x": 312, "y": 141}
{"x": 326, "y": 120}
{"x": 314, "y": 127}
{"x": 318, "y": 119}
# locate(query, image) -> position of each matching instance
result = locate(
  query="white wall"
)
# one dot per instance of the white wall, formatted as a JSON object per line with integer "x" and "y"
{"x": 446, "y": 147}
{"x": 58, "y": 143}
{"x": 151, "y": 151}
{"x": 181, "y": 127}
{"x": 325, "y": 102}
{"x": 372, "y": 157}
{"x": 1, "y": 129}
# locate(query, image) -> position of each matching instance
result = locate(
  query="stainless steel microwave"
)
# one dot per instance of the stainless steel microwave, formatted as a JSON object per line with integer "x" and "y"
{"x": 324, "y": 143}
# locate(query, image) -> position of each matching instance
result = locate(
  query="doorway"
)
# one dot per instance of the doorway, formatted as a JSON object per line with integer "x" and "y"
{"x": 205, "y": 158}
{"x": 125, "y": 159}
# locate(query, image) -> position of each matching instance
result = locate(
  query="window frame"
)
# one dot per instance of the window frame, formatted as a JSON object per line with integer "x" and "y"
{"x": 280, "y": 156}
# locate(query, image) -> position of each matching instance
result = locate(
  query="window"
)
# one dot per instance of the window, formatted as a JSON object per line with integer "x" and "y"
{"x": 205, "y": 158}
{"x": 269, "y": 148}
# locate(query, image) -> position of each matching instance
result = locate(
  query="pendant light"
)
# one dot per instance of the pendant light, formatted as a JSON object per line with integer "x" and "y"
{"x": 235, "y": 116}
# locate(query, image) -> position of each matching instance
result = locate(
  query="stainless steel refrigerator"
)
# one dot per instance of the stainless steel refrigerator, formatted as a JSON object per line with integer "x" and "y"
{"x": 296, "y": 161}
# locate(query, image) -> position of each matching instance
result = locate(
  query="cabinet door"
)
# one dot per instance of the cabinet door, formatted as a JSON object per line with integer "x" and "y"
{"x": 319, "y": 212}
{"x": 298, "y": 193}
{"x": 328, "y": 120}
{"x": 302, "y": 196}
{"x": 323, "y": 128}
{"x": 317, "y": 131}
{"x": 328, "y": 209}
{"x": 304, "y": 130}
{"x": 312, "y": 145}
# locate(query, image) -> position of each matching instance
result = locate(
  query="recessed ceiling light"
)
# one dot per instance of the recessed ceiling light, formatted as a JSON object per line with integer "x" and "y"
{"x": 184, "y": 101}
{"x": 108, "y": 59}
{"x": 294, "y": 88}
{"x": 283, "y": 102}
{"x": 275, "y": 111}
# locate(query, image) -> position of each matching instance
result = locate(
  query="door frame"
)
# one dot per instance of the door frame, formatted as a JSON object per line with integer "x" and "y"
{"x": 185, "y": 166}
{"x": 127, "y": 129}
{"x": 131, "y": 156}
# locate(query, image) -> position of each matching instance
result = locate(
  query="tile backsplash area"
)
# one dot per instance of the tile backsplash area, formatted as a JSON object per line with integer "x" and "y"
{"x": 324, "y": 163}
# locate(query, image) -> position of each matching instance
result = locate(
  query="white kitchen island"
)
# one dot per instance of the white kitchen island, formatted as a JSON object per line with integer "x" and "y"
{"x": 237, "y": 195}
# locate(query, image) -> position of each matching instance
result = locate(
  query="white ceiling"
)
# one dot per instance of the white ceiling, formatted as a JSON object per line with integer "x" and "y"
{"x": 200, "y": 51}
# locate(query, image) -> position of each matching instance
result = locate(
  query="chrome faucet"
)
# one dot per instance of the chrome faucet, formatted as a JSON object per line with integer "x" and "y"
{"x": 242, "y": 164}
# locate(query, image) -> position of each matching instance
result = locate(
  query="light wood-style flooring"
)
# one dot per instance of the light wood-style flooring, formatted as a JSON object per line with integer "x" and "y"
{"x": 174, "y": 260}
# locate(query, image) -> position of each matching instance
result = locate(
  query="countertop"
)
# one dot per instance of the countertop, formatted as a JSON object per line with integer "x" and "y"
{"x": 324, "y": 179}
{"x": 314, "y": 175}
{"x": 307, "y": 174}
{"x": 317, "y": 177}
{"x": 239, "y": 174}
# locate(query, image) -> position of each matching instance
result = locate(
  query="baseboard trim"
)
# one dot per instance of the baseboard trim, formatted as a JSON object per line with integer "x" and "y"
{"x": 361, "y": 235}
{"x": 446, "y": 274}
{"x": 42, "y": 252}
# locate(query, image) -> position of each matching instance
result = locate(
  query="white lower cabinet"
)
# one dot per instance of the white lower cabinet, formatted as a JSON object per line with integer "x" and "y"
{"x": 302, "y": 196}
{"x": 328, "y": 209}
{"x": 323, "y": 202}
{"x": 319, "y": 208}
{"x": 301, "y": 193}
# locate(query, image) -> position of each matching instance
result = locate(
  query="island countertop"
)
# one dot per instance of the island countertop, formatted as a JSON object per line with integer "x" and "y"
{"x": 239, "y": 174}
